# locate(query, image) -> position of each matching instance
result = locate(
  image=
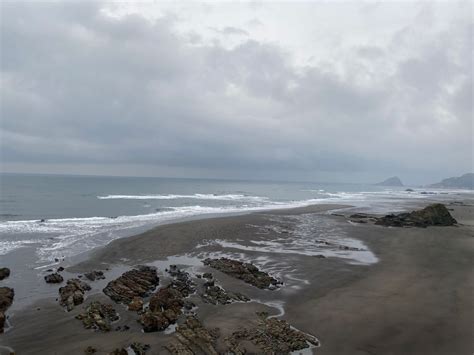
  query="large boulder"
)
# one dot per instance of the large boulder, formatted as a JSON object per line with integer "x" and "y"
{"x": 72, "y": 294}
{"x": 433, "y": 215}
{"x": 4, "y": 273}
{"x": 138, "y": 282}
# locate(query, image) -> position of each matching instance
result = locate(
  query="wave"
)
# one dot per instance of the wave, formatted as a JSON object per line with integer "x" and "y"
{"x": 227, "y": 197}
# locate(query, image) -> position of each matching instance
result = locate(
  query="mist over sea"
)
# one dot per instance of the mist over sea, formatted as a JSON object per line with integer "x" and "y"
{"x": 62, "y": 216}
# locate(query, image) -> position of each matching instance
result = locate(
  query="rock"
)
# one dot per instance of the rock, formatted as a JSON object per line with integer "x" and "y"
{"x": 217, "y": 295}
{"x": 433, "y": 215}
{"x": 247, "y": 272}
{"x": 393, "y": 181}
{"x": 193, "y": 338}
{"x": 72, "y": 294}
{"x": 153, "y": 322}
{"x": 138, "y": 282}
{"x": 465, "y": 181}
{"x": 409, "y": 190}
{"x": 120, "y": 351}
{"x": 60, "y": 269}
{"x": 207, "y": 275}
{"x": 90, "y": 350}
{"x": 4, "y": 273}
{"x": 53, "y": 278}
{"x": 139, "y": 349}
{"x": 166, "y": 298}
{"x": 136, "y": 305}
{"x": 98, "y": 316}
{"x": 94, "y": 275}
{"x": 271, "y": 336}
{"x": 6, "y": 299}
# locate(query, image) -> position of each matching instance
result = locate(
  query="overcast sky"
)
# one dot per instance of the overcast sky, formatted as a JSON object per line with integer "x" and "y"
{"x": 325, "y": 91}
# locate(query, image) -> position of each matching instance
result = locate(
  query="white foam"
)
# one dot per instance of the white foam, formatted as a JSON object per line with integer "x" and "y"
{"x": 226, "y": 197}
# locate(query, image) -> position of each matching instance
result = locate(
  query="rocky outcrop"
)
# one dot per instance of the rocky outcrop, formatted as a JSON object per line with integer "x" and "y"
{"x": 465, "y": 181}
{"x": 193, "y": 338}
{"x": 393, "y": 181}
{"x": 246, "y": 272}
{"x": 94, "y": 275}
{"x": 433, "y": 215}
{"x": 98, "y": 316}
{"x": 72, "y": 294}
{"x": 139, "y": 348}
{"x": 53, "y": 278}
{"x": 167, "y": 304}
{"x": 214, "y": 294}
{"x": 4, "y": 273}
{"x": 271, "y": 336}
{"x": 138, "y": 282}
{"x": 136, "y": 305}
{"x": 6, "y": 299}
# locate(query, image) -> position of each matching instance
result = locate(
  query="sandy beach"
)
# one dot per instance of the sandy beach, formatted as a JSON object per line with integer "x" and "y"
{"x": 357, "y": 288}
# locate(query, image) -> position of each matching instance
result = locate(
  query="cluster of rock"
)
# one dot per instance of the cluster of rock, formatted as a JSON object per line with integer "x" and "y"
{"x": 166, "y": 304}
{"x": 98, "y": 316}
{"x": 246, "y": 272}
{"x": 6, "y": 299}
{"x": 54, "y": 278}
{"x": 138, "y": 282}
{"x": 215, "y": 294}
{"x": 72, "y": 294}
{"x": 271, "y": 336}
{"x": 136, "y": 347}
{"x": 94, "y": 275}
{"x": 433, "y": 215}
{"x": 193, "y": 338}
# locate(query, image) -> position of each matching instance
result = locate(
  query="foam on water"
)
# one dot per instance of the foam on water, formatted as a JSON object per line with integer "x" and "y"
{"x": 227, "y": 197}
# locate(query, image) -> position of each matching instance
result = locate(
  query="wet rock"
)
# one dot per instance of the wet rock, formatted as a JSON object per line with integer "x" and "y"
{"x": 193, "y": 338}
{"x": 319, "y": 256}
{"x": 90, "y": 350}
{"x": 72, "y": 294}
{"x": 94, "y": 275}
{"x": 6, "y": 299}
{"x": 60, "y": 269}
{"x": 4, "y": 273}
{"x": 136, "y": 305}
{"x": 53, "y": 278}
{"x": 120, "y": 351}
{"x": 139, "y": 349}
{"x": 207, "y": 275}
{"x": 246, "y": 272}
{"x": 138, "y": 282}
{"x": 271, "y": 336}
{"x": 217, "y": 295}
{"x": 167, "y": 299}
{"x": 98, "y": 316}
{"x": 433, "y": 215}
{"x": 154, "y": 322}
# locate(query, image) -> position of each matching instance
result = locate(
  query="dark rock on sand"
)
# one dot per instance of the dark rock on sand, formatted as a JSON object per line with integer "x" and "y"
{"x": 53, "y": 278}
{"x": 246, "y": 272}
{"x": 193, "y": 338}
{"x": 72, "y": 294}
{"x": 94, "y": 275}
{"x": 120, "y": 351}
{"x": 90, "y": 350}
{"x": 432, "y": 215}
{"x": 4, "y": 273}
{"x": 166, "y": 304}
{"x": 98, "y": 316}
{"x": 214, "y": 294}
{"x": 136, "y": 305}
{"x": 60, "y": 269}
{"x": 6, "y": 299}
{"x": 139, "y": 348}
{"x": 138, "y": 282}
{"x": 271, "y": 336}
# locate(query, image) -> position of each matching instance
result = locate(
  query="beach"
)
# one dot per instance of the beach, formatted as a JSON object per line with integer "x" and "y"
{"x": 359, "y": 288}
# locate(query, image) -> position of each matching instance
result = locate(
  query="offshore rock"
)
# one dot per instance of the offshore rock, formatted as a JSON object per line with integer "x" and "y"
{"x": 72, "y": 294}
{"x": 433, "y": 215}
{"x": 138, "y": 282}
{"x": 98, "y": 316}
{"x": 6, "y": 299}
{"x": 246, "y": 272}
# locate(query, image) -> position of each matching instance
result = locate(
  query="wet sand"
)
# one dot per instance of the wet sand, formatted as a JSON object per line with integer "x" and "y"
{"x": 416, "y": 299}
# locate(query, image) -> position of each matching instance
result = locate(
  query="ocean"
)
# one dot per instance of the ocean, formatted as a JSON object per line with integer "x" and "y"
{"x": 59, "y": 217}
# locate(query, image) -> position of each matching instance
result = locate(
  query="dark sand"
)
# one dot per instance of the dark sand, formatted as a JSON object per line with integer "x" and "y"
{"x": 416, "y": 300}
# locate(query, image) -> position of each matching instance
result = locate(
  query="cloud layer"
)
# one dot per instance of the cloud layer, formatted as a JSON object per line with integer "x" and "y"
{"x": 79, "y": 86}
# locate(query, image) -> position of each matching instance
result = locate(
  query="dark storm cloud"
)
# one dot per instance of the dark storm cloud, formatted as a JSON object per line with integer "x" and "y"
{"x": 79, "y": 86}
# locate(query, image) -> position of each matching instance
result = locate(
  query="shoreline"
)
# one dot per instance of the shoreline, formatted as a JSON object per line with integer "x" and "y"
{"x": 322, "y": 296}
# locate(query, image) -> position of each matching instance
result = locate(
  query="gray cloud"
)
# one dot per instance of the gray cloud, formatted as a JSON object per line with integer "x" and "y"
{"x": 82, "y": 87}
